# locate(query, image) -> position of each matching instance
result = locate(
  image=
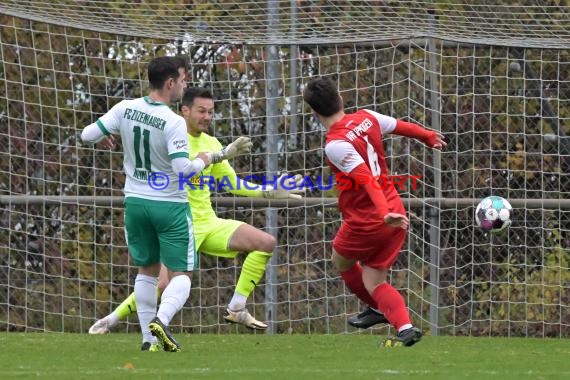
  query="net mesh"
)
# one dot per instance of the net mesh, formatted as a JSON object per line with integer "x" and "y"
{"x": 525, "y": 23}
{"x": 504, "y": 109}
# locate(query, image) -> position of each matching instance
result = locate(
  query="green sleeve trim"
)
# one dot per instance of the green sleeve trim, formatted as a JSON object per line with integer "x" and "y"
{"x": 178, "y": 155}
{"x": 102, "y": 128}
{"x": 152, "y": 102}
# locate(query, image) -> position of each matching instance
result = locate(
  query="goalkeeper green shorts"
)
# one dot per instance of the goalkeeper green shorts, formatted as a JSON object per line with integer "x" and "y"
{"x": 158, "y": 231}
{"x": 213, "y": 236}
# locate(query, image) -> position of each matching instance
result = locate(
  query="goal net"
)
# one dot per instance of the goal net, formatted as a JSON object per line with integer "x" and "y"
{"x": 494, "y": 79}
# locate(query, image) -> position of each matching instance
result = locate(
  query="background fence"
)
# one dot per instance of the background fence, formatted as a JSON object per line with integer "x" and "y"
{"x": 495, "y": 81}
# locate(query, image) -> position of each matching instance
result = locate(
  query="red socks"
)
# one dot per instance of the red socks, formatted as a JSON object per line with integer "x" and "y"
{"x": 353, "y": 279}
{"x": 385, "y": 297}
{"x": 391, "y": 303}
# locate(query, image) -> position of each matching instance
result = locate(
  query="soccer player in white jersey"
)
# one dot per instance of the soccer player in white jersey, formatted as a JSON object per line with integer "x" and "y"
{"x": 158, "y": 225}
{"x": 216, "y": 236}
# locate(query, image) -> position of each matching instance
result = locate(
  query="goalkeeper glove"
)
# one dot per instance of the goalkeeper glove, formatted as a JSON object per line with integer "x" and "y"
{"x": 241, "y": 145}
{"x": 286, "y": 186}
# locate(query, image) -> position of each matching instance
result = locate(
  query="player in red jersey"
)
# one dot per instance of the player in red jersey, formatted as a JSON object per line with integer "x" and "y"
{"x": 374, "y": 226}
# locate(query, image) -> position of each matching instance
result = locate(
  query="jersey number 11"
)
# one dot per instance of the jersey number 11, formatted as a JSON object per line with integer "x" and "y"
{"x": 146, "y": 148}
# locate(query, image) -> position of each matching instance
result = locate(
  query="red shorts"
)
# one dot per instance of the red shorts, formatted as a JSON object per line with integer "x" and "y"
{"x": 378, "y": 249}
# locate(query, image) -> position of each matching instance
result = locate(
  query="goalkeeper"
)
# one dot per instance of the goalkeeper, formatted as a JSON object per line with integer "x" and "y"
{"x": 213, "y": 235}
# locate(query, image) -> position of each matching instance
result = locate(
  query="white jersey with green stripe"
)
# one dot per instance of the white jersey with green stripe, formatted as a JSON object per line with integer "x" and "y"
{"x": 200, "y": 192}
{"x": 152, "y": 135}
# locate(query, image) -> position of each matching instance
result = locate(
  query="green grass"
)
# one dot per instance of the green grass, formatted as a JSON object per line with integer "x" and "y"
{"x": 320, "y": 357}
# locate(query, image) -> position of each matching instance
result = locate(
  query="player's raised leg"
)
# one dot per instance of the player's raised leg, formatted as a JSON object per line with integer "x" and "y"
{"x": 227, "y": 239}
{"x": 251, "y": 273}
{"x": 260, "y": 246}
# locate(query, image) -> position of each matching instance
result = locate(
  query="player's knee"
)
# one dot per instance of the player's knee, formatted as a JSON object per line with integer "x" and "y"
{"x": 370, "y": 286}
{"x": 372, "y": 278}
{"x": 267, "y": 244}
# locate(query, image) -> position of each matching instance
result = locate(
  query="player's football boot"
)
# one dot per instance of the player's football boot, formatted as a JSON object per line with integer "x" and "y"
{"x": 152, "y": 347}
{"x": 102, "y": 326}
{"x": 244, "y": 318}
{"x": 162, "y": 333}
{"x": 407, "y": 338}
{"x": 368, "y": 318}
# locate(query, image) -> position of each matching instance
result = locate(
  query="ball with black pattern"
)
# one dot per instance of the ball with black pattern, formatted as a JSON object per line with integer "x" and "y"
{"x": 493, "y": 214}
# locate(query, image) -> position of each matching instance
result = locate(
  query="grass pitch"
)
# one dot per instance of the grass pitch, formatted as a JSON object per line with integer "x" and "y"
{"x": 275, "y": 357}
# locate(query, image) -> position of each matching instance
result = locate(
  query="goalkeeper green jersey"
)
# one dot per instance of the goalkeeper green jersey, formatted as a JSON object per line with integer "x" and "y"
{"x": 199, "y": 195}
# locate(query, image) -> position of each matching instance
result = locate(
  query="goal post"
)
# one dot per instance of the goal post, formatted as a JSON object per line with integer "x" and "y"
{"x": 494, "y": 78}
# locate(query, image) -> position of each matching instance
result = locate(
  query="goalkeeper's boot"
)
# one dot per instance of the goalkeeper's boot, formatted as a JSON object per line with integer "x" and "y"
{"x": 407, "y": 338}
{"x": 367, "y": 318}
{"x": 152, "y": 347}
{"x": 244, "y": 318}
{"x": 162, "y": 333}
{"x": 102, "y": 326}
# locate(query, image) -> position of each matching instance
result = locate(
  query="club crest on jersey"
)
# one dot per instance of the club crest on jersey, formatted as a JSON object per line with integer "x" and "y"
{"x": 359, "y": 129}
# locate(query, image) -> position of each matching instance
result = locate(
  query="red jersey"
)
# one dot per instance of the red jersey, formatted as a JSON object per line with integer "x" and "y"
{"x": 354, "y": 140}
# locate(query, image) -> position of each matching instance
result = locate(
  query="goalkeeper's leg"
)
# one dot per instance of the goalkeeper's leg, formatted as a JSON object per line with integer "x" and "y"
{"x": 251, "y": 274}
{"x": 105, "y": 324}
{"x": 229, "y": 238}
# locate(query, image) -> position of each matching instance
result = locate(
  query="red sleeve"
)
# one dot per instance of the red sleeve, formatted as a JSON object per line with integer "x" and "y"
{"x": 403, "y": 128}
{"x": 375, "y": 194}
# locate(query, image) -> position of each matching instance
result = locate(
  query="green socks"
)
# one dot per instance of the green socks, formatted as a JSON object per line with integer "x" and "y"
{"x": 252, "y": 272}
{"x": 126, "y": 307}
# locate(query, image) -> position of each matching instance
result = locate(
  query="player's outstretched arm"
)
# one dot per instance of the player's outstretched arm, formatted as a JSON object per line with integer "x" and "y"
{"x": 433, "y": 139}
{"x": 286, "y": 186}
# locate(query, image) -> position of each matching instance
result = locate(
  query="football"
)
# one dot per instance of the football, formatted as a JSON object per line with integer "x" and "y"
{"x": 493, "y": 214}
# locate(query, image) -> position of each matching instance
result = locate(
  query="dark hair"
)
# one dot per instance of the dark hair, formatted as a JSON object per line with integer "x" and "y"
{"x": 192, "y": 93}
{"x": 322, "y": 96}
{"x": 163, "y": 68}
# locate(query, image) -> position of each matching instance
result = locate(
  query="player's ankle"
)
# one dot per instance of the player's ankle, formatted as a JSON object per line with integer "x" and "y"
{"x": 112, "y": 319}
{"x": 237, "y": 302}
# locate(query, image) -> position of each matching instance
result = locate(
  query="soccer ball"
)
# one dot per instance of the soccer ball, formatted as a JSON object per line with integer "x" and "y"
{"x": 493, "y": 214}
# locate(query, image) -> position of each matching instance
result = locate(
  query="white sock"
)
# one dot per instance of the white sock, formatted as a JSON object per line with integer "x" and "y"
{"x": 238, "y": 302}
{"x": 173, "y": 298}
{"x": 145, "y": 296}
{"x": 112, "y": 319}
{"x": 405, "y": 327}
